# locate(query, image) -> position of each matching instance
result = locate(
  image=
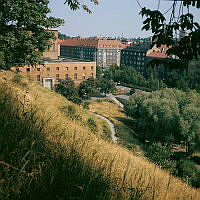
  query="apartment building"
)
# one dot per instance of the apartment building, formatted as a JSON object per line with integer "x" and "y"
{"x": 135, "y": 56}
{"x": 53, "y": 69}
{"x": 104, "y": 52}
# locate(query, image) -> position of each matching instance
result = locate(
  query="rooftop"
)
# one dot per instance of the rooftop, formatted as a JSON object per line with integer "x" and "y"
{"x": 108, "y": 44}
{"x": 138, "y": 47}
{"x": 65, "y": 60}
{"x": 158, "y": 52}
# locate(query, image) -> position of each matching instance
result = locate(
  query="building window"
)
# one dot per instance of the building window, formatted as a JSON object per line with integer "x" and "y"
{"x": 48, "y": 69}
{"x": 57, "y": 69}
{"x": 92, "y": 67}
{"x": 57, "y": 77}
{"x": 75, "y": 76}
{"x": 92, "y": 75}
{"x": 84, "y": 76}
{"x": 66, "y": 76}
{"x": 38, "y": 77}
{"x": 75, "y": 68}
{"x": 28, "y": 69}
{"x": 66, "y": 68}
{"x": 38, "y": 69}
{"x": 84, "y": 68}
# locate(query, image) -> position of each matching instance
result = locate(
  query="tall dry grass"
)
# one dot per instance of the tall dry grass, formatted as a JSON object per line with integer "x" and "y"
{"x": 47, "y": 154}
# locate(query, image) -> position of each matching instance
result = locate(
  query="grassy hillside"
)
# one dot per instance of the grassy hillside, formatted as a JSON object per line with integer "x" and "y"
{"x": 49, "y": 151}
{"x": 115, "y": 113}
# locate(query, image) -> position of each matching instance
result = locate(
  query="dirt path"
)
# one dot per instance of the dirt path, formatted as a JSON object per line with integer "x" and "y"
{"x": 112, "y": 128}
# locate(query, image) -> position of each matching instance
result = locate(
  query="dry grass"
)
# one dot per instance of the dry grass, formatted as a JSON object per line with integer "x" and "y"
{"x": 116, "y": 172}
{"x": 120, "y": 91}
{"x": 115, "y": 114}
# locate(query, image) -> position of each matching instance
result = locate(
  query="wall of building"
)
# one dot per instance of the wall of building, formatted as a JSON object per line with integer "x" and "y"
{"x": 53, "y": 51}
{"x": 77, "y": 71}
{"x": 135, "y": 56}
{"x": 104, "y": 52}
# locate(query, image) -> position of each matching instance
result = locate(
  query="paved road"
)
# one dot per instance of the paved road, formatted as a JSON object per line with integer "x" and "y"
{"x": 123, "y": 87}
{"x": 111, "y": 96}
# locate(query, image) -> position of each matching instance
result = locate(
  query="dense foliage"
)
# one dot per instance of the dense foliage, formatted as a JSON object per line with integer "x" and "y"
{"x": 168, "y": 116}
{"x": 62, "y": 36}
{"x": 88, "y": 88}
{"x": 24, "y": 32}
{"x": 96, "y": 87}
{"x": 129, "y": 76}
{"x": 67, "y": 89}
{"x": 167, "y": 31}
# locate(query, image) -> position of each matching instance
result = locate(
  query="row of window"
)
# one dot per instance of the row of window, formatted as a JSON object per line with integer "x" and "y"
{"x": 67, "y": 76}
{"x": 133, "y": 58}
{"x": 107, "y": 53}
{"x": 133, "y": 53}
{"x": 58, "y": 69}
{"x": 133, "y": 62}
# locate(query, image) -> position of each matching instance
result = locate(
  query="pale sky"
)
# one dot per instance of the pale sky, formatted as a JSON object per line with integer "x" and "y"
{"x": 109, "y": 18}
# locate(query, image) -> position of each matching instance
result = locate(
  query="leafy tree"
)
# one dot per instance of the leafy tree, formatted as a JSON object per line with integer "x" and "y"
{"x": 99, "y": 71}
{"x": 190, "y": 127}
{"x": 89, "y": 88}
{"x": 24, "y": 32}
{"x": 187, "y": 170}
{"x": 155, "y": 84}
{"x": 94, "y": 87}
{"x": 77, "y": 4}
{"x": 62, "y": 36}
{"x": 68, "y": 90}
{"x": 105, "y": 86}
{"x": 160, "y": 154}
{"x": 24, "y": 29}
{"x": 186, "y": 48}
{"x": 167, "y": 116}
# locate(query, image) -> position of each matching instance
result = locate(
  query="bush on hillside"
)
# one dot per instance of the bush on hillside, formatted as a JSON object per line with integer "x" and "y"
{"x": 71, "y": 111}
{"x": 167, "y": 116}
{"x": 92, "y": 124}
{"x": 160, "y": 154}
{"x": 86, "y": 104}
{"x": 68, "y": 90}
{"x": 188, "y": 171}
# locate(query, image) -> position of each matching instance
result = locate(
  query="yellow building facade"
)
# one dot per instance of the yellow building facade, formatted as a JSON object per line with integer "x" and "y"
{"x": 50, "y": 73}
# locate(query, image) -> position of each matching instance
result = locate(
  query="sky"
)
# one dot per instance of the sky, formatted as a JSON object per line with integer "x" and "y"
{"x": 110, "y": 18}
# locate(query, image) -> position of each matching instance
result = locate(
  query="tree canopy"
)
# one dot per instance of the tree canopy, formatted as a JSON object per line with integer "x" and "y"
{"x": 24, "y": 32}
{"x": 167, "y": 116}
{"x": 77, "y": 4}
{"x": 166, "y": 31}
{"x": 68, "y": 90}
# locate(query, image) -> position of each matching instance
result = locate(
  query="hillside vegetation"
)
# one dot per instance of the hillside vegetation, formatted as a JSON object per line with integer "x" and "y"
{"x": 50, "y": 151}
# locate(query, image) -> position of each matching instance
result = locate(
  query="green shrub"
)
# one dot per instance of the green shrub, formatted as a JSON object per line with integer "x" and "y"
{"x": 186, "y": 170}
{"x": 86, "y": 105}
{"x": 92, "y": 124}
{"x": 71, "y": 112}
{"x": 160, "y": 155}
{"x": 17, "y": 78}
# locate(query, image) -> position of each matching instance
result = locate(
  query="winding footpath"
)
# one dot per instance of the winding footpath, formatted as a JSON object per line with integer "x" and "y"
{"x": 112, "y": 128}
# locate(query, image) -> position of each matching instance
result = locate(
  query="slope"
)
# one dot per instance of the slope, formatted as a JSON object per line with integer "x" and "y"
{"x": 49, "y": 152}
